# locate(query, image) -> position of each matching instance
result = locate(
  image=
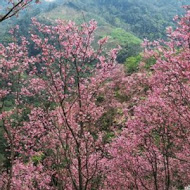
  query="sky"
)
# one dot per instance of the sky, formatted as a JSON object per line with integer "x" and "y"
{"x": 49, "y": 0}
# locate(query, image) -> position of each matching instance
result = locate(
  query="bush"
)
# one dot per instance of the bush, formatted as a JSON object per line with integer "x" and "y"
{"x": 132, "y": 64}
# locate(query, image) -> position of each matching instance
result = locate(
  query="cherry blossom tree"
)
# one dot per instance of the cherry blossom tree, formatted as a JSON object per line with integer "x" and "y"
{"x": 58, "y": 140}
{"x": 13, "y": 63}
{"x": 152, "y": 151}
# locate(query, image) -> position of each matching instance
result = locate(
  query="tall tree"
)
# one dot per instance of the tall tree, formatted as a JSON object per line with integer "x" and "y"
{"x": 152, "y": 152}
{"x": 58, "y": 140}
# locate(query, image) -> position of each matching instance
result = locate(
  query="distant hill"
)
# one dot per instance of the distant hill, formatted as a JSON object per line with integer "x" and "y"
{"x": 145, "y": 18}
{"x": 126, "y": 22}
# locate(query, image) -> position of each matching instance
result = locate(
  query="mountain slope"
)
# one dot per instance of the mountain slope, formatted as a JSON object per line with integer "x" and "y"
{"x": 124, "y": 21}
{"x": 147, "y": 19}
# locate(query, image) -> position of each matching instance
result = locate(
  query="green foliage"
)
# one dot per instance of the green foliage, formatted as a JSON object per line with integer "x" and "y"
{"x": 130, "y": 44}
{"x": 120, "y": 97}
{"x": 149, "y": 63}
{"x": 132, "y": 64}
{"x": 2, "y": 147}
{"x": 124, "y": 37}
{"x": 100, "y": 99}
{"x": 8, "y": 104}
{"x": 38, "y": 158}
{"x": 107, "y": 120}
{"x": 181, "y": 187}
{"x": 108, "y": 137}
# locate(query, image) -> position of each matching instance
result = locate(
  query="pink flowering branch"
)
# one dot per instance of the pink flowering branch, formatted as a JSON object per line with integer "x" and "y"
{"x": 15, "y": 8}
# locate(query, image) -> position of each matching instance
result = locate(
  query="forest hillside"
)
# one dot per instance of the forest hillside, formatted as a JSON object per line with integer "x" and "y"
{"x": 94, "y": 95}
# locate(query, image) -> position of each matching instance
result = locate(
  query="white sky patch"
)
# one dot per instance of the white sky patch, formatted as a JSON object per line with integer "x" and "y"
{"x": 50, "y": 0}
